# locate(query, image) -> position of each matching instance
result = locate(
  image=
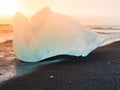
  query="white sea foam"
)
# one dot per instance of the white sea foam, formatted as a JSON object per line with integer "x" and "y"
{"x": 6, "y": 38}
{"x": 114, "y": 35}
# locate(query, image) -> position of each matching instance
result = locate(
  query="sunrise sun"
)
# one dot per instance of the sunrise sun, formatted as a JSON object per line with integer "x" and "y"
{"x": 8, "y": 7}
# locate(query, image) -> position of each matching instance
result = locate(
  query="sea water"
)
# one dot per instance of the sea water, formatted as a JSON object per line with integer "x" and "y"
{"x": 114, "y": 35}
{"x": 112, "y": 32}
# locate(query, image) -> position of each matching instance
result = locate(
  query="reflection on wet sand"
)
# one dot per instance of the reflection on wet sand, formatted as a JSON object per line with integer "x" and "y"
{"x": 23, "y": 68}
{"x": 11, "y": 67}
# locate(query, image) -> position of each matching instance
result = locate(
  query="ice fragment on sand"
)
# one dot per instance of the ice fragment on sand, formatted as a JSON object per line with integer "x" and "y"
{"x": 48, "y": 34}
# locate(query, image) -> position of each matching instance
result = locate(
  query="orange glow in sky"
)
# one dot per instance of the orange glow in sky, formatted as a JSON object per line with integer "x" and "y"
{"x": 82, "y": 8}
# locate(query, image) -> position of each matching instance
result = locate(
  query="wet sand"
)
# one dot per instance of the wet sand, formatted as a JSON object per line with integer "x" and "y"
{"x": 98, "y": 71}
{"x": 7, "y": 61}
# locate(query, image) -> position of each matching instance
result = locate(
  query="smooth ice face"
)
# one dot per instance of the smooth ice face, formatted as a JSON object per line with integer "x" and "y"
{"x": 48, "y": 34}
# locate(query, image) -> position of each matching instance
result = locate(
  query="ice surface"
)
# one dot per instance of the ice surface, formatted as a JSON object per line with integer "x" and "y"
{"x": 48, "y": 34}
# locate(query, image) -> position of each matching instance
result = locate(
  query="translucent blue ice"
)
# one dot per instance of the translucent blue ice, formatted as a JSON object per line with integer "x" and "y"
{"x": 47, "y": 34}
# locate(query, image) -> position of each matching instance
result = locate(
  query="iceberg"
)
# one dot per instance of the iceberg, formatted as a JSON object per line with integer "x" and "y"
{"x": 47, "y": 34}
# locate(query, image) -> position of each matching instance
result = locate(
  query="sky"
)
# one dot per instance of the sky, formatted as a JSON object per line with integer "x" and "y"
{"x": 88, "y": 11}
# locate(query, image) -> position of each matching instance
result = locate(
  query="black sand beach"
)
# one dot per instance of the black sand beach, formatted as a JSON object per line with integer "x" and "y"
{"x": 98, "y": 71}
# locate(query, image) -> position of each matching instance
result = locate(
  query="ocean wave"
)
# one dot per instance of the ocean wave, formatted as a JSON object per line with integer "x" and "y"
{"x": 105, "y": 27}
{"x": 113, "y": 34}
{"x": 6, "y": 38}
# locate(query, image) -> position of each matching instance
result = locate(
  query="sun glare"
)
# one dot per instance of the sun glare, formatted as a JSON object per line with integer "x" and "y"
{"x": 8, "y": 7}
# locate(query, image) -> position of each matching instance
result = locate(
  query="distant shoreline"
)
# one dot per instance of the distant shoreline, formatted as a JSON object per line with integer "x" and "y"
{"x": 106, "y": 27}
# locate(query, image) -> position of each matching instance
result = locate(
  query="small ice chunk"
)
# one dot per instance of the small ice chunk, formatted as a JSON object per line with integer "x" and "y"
{"x": 51, "y": 76}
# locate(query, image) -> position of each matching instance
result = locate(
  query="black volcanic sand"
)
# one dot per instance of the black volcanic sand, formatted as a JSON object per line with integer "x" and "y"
{"x": 98, "y": 71}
